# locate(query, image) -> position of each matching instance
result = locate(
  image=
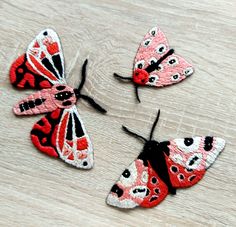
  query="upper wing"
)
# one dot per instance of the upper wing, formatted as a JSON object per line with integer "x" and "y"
{"x": 42, "y": 65}
{"x": 62, "y": 134}
{"x": 138, "y": 185}
{"x": 171, "y": 70}
{"x": 189, "y": 158}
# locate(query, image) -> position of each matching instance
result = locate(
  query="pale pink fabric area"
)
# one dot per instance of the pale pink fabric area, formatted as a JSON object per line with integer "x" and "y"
{"x": 182, "y": 154}
{"x": 50, "y": 103}
{"x": 167, "y": 74}
{"x": 137, "y": 170}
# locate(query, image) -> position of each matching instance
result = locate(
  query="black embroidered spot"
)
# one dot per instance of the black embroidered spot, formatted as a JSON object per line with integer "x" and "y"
{"x": 157, "y": 190}
{"x": 136, "y": 190}
{"x": 153, "y": 198}
{"x": 181, "y": 176}
{"x": 208, "y": 143}
{"x": 140, "y": 65}
{"x": 61, "y": 87}
{"x": 45, "y": 33}
{"x": 152, "y": 62}
{"x": 174, "y": 169}
{"x": 189, "y": 170}
{"x": 25, "y": 106}
{"x": 176, "y": 76}
{"x": 151, "y": 79}
{"x": 31, "y": 104}
{"x": 158, "y": 68}
{"x": 154, "y": 180}
{"x": 172, "y": 61}
{"x": 21, "y": 107}
{"x": 193, "y": 160}
{"x": 67, "y": 103}
{"x": 117, "y": 190}
{"x": 64, "y": 95}
{"x": 153, "y": 32}
{"x": 147, "y": 42}
{"x": 188, "y": 141}
{"x": 161, "y": 49}
{"x": 85, "y": 163}
{"x": 126, "y": 173}
{"x": 38, "y": 102}
{"x": 147, "y": 192}
{"x": 192, "y": 178}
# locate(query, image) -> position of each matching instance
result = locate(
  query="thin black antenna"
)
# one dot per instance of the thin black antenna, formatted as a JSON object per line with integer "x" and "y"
{"x": 133, "y": 134}
{"x": 121, "y": 77}
{"x": 136, "y": 92}
{"x": 83, "y": 74}
{"x": 154, "y": 125}
{"x": 85, "y": 97}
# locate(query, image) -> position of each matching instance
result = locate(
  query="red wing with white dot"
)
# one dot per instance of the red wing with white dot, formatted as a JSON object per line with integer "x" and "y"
{"x": 62, "y": 134}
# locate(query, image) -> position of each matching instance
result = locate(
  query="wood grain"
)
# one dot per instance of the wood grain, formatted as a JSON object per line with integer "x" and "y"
{"x": 39, "y": 191}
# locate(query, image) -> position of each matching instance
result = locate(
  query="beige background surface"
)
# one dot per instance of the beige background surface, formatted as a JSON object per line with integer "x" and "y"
{"x": 39, "y": 191}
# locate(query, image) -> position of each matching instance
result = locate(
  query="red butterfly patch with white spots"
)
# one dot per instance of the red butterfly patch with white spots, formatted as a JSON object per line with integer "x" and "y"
{"x": 61, "y": 132}
{"x": 163, "y": 167}
{"x": 156, "y": 64}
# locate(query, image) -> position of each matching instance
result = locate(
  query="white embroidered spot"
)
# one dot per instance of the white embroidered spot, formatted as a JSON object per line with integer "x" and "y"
{"x": 161, "y": 48}
{"x": 175, "y": 77}
{"x": 152, "y": 61}
{"x": 138, "y": 191}
{"x": 144, "y": 177}
{"x": 153, "y": 80}
{"x": 188, "y": 145}
{"x": 153, "y": 31}
{"x": 188, "y": 71}
{"x": 147, "y": 42}
{"x": 172, "y": 61}
{"x": 125, "y": 203}
{"x": 139, "y": 64}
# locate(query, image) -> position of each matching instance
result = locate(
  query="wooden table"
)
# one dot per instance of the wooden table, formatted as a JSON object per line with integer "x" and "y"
{"x": 41, "y": 191}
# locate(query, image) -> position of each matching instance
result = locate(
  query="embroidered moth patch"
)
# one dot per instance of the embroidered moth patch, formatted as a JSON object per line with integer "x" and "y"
{"x": 156, "y": 64}
{"x": 163, "y": 167}
{"x": 61, "y": 132}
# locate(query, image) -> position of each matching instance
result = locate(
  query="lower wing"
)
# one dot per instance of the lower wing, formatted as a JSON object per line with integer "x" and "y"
{"x": 62, "y": 134}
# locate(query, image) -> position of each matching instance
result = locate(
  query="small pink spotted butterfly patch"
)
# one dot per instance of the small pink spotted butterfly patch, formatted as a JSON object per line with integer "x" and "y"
{"x": 156, "y": 64}
{"x": 61, "y": 133}
{"x": 162, "y": 168}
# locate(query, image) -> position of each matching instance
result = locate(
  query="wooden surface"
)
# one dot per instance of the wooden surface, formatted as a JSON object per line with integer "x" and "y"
{"x": 39, "y": 191}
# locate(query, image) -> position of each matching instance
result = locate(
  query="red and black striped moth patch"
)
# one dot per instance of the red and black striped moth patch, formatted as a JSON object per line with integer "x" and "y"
{"x": 163, "y": 167}
{"x": 61, "y": 132}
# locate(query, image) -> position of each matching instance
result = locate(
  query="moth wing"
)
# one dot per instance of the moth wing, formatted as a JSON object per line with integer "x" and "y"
{"x": 153, "y": 47}
{"x": 171, "y": 71}
{"x": 189, "y": 158}
{"x": 46, "y": 57}
{"x": 138, "y": 185}
{"x": 62, "y": 134}
{"x": 42, "y": 65}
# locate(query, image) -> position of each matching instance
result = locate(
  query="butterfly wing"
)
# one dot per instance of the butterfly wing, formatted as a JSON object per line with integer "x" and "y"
{"x": 189, "y": 158}
{"x": 171, "y": 70}
{"x": 42, "y": 65}
{"x": 62, "y": 134}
